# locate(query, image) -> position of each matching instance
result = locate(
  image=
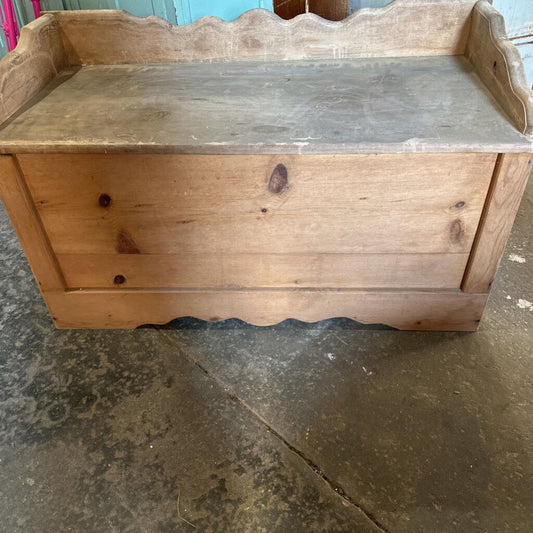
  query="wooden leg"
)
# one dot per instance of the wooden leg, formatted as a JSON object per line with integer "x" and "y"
{"x": 28, "y": 226}
{"x": 503, "y": 200}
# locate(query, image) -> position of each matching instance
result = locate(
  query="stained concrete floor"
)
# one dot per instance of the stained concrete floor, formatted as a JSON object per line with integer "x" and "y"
{"x": 232, "y": 428}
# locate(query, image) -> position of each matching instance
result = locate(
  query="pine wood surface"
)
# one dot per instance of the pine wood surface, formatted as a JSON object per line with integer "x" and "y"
{"x": 272, "y": 214}
{"x": 421, "y": 104}
{"x": 499, "y": 64}
{"x": 508, "y": 184}
{"x": 400, "y": 203}
{"x": 403, "y": 28}
{"x": 263, "y": 270}
{"x": 28, "y": 226}
{"x": 410, "y": 310}
{"x": 38, "y": 58}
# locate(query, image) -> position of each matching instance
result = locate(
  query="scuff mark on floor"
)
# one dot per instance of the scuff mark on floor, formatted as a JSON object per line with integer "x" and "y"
{"x": 524, "y": 304}
{"x": 517, "y": 258}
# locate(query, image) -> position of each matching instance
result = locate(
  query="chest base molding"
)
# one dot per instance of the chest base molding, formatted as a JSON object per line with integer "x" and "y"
{"x": 406, "y": 310}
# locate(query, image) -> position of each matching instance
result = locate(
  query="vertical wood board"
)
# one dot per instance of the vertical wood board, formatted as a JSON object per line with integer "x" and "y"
{"x": 502, "y": 203}
{"x": 28, "y": 226}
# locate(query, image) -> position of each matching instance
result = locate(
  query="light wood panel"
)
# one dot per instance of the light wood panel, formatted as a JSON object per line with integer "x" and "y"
{"x": 422, "y": 310}
{"x": 499, "y": 65}
{"x": 27, "y": 224}
{"x": 404, "y": 28}
{"x": 421, "y": 104}
{"x": 35, "y": 62}
{"x": 503, "y": 200}
{"x": 264, "y": 270}
{"x": 222, "y": 204}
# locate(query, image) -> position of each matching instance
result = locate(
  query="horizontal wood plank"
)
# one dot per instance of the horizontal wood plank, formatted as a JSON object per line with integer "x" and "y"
{"x": 264, "y": 270}
{"x": 385, "y": 105}
{"x": 423, "y": 310}
{"x": 407, "y": 27}
{"x": 222, "y": 204}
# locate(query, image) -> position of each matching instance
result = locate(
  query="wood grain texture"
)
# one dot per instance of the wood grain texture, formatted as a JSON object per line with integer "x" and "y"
{"x": 232, "y": 270}
{"x": 422, "y": 310}
{"x": 256, "y": 230}
{"x": 27, "y": 225}
{"x": 404, "y": 28}
{"x": 503, "y": 200}
{"x": 383, "y": 105}
{"x": 397, "y": 203}
{"x": 499, "y": 64}
{"x": 288, "y": 9}
{"x": 329, "y": 9}
{"x": 36, "y": 61}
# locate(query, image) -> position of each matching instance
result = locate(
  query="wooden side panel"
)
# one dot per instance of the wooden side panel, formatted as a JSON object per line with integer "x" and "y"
{"x": 500, "y": 66}
{"x": 404, "y": 28}
{"x": 264, "y": 270}
{"x": 410, "y": 203}
{"x": 36, "y": 61}
{"x": 27, "y": 224}
{"x": 445, "y": 311}
{"x": 503, "y": 200}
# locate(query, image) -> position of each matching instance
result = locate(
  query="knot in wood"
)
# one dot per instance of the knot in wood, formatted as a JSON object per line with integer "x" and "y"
{"x": 279, "y": 181}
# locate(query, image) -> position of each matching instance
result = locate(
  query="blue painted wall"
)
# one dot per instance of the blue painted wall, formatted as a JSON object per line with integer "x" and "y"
{"x": 519, "y": 22}
{"x": 518, "y": 16}
{"x": 360, "y": 4}
{"x": 175, "y": 11}
{"x": 190, "y": 10}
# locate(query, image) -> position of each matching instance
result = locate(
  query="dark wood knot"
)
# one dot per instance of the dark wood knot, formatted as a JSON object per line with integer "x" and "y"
{"x": 126, "y": 244}
{"x": 457, "y": 231}
{"x": 104, "y": 200}
{"x": 279, "y": 181}
{"x": 119, "y": 280}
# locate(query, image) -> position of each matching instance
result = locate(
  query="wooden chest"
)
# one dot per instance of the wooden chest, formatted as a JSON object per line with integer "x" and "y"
{"x": 263, "y": 169}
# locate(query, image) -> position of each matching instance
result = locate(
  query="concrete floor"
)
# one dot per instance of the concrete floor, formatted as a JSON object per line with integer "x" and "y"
{"x": 232, "y": 428}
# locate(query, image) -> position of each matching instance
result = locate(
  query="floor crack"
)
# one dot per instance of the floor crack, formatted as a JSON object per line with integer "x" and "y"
{"x": 333, "y": 485}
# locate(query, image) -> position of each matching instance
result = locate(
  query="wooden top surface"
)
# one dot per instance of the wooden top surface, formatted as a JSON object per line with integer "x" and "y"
{"x": 378, "y": 105}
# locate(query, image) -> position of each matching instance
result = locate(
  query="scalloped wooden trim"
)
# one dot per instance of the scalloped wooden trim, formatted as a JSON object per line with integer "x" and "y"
{"x": 37, "y": 59}
{"x": 409, "y": 310}
{"x": 499, "y": 65}
{"x": 403, "y": 28}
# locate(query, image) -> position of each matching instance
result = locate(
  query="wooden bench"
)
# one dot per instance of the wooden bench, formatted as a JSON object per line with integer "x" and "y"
{"x": 266, "y": 169}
